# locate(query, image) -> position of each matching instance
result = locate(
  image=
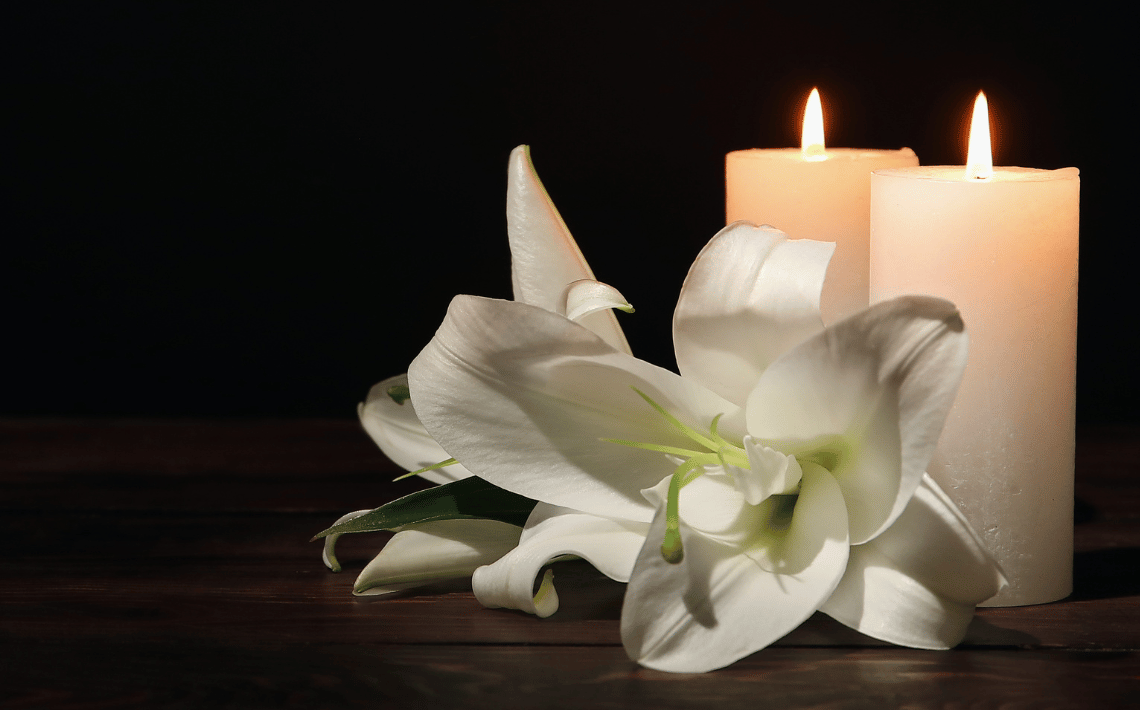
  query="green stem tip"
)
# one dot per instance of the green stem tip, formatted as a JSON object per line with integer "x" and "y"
{"x": 671, "y": 548}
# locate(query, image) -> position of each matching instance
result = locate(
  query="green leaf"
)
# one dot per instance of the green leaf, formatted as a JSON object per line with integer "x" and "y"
{"x": 467, "y": 498}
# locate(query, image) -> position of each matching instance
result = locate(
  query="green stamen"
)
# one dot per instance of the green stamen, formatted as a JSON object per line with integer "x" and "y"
{"x": 659, "y": 448}
{"x": 733, "y": 455}
{"x": 441, "y": 464}
{"x": 713, "y": 432}
{"x": 717, "y": 449}
{"x": 683, "y": 428}
{"x": 694, "y": 467}
{"x": 672, "y": 550}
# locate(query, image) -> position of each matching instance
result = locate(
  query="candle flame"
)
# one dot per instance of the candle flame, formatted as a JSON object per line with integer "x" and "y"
{"x": 811, "y": 138}
{"x": 979, "y": 157}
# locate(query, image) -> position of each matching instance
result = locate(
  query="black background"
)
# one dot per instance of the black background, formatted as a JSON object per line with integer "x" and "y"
{"x": 260, "y": 209}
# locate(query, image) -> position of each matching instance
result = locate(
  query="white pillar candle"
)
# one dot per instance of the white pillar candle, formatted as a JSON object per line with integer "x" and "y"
{"x": 1003, "y": 248}
{"x": 814, "y": 192}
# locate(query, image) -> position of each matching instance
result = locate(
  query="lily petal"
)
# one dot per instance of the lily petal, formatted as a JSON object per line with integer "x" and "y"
{"x": 390, "y": 419}
{"x": 430, "y": 552}
{"x": 868, "y": 397}
{"x": 770, "y": 472}
{"x": 544, "y": 257}
{"x": 719, "y": 604}
{"x": 917, "y": 584}
{"x": 511, "y": 390}
{"x": 328, "y": 551}
{"x": 586, "y": 296}
{"x": 551, "y": 532}
{"x": 750, "y": 295}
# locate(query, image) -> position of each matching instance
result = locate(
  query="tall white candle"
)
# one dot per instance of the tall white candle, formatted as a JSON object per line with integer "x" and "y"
{"x": 1004, "y": 249}
{"x": 814, "y": 192}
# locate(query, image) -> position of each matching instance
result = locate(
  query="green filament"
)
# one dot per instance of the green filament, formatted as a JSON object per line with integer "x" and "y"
{"x": 659, "y": 448}
{"x": 713, "y": 449}
{"x": 683, "y": 428}
{"x": 441, "y": 464}
{"x": 672, "y": 549}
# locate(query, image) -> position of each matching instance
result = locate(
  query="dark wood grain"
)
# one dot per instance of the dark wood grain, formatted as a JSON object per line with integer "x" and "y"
{"x": 167, "y": 564}
{"x": 275, "y": 675}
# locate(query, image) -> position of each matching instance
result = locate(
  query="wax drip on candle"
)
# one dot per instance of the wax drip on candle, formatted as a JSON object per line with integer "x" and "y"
{"x": 979, "y": 157}
{"x": 811, "y": 136}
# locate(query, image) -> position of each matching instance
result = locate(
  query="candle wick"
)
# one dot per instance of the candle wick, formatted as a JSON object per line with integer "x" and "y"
{"x": 814, "y": 152}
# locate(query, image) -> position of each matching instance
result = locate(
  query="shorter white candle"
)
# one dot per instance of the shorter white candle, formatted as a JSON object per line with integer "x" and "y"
{"x": 1002, "y": 245}
{"x": 814, "y": 192}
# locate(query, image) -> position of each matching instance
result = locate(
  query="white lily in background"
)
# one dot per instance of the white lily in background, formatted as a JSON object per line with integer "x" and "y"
{"x": 782, "y": 472}
{"x": 547, "y": 271}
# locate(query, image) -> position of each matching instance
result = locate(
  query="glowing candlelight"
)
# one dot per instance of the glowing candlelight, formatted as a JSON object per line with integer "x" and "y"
{"x": 979, "y": 155}
{"x": 1002, "y": 245}
{"x": 811, "y": 135}
{"x": 814, "y": 192}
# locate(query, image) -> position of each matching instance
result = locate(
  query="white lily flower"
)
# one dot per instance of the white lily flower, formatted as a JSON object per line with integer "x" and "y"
{"x": 433, "y": 551}
{"x": 547, "y": 271}
{"x": 781, "y": 473}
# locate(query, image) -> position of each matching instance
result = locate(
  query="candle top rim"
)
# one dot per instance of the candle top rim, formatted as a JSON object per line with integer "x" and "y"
{"x": 829, "y": 153}
{"x": 957, "y": 173}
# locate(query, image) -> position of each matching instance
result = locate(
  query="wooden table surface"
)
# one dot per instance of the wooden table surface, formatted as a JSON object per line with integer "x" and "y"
{"x": 152, "y": 564}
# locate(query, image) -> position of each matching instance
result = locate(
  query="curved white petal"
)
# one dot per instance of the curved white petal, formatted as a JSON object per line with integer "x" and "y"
{"x": 392, "y": 423}
{"x": 609, "y": 545}
{"x": 750, "y": 295}
{"x": 869, "y": 397}
{"x": 328, "y": 551}
{"x": 917, "y": 583}
{"x": 544, "y": 257}
{"x": 526, "y": 398}
{"x": 719, "y": 603}
{"x": 428, "y": 552}
{"x": 587, "y": 296}
{"x": 770, "y": 472}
